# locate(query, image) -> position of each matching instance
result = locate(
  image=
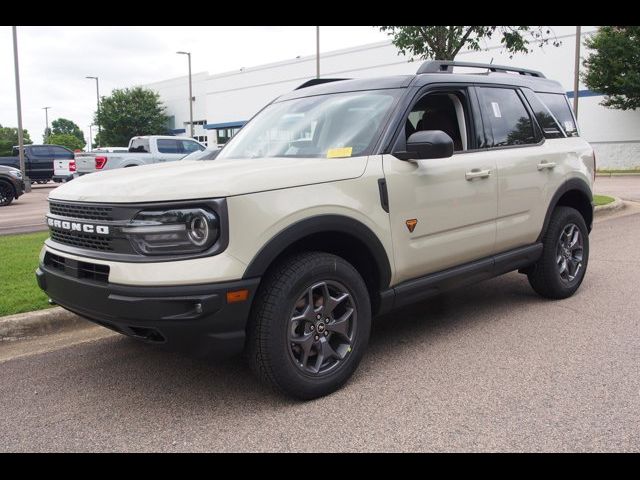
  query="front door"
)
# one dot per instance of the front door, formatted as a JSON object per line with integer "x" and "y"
{"x": 442, "y": 211}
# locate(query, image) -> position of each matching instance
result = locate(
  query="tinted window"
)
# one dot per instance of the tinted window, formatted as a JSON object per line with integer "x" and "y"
{"x": 559, "y": 106}
{"x": 40, "y": 151}
{"x": 60, "y": 152}
{"x": 508, "y": 118}
{"x": 189, "y": 146}
{"x": 169, "y": 146}
{"x": 139, "y": 145}
{"x": 546, "y": 120}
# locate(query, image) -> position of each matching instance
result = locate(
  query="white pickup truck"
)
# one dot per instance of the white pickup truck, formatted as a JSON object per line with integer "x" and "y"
{"x": 142, "y": 151}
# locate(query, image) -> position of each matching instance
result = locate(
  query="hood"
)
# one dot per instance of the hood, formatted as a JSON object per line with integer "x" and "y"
{"x": 192, "y": 179}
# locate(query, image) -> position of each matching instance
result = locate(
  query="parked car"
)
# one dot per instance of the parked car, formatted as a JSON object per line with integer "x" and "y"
{"x": 64, "y": 170}
{"x": 337, "y": 202}
{"x": 39, "y": 160}
{"x": 209, "y": 153}
{"x": 12, "y": 185}
{"x": 142, "y": 151}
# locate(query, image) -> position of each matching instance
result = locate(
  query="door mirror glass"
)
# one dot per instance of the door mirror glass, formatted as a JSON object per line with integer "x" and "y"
{"x": 427, "y": 144}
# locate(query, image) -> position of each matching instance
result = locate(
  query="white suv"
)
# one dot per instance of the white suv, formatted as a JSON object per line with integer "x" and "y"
{"x": 337, "y": 202}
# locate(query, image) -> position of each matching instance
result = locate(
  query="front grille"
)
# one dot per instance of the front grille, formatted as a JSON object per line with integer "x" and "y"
{"x": 87, "y": 212}
{"x": 77, "y": 269}
{"x": 81, "y": 240}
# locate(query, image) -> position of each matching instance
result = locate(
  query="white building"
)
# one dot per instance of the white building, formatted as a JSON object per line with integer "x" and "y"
{"x": 225, "y": 101}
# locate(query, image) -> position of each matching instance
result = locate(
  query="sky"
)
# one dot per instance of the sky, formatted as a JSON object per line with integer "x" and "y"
{"x": 54, "y": 61}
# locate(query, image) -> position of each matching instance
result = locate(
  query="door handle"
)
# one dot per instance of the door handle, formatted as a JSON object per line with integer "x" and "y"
{"x": 546, "y": 165}
{"x": 477, "y": 173}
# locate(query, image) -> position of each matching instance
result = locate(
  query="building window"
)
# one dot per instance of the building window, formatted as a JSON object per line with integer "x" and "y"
{"x": 202, "y": 139}
{"x": 223, "y": 135}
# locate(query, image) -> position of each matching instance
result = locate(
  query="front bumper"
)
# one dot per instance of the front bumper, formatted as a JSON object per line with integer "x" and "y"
{"x": 194, "y": 317}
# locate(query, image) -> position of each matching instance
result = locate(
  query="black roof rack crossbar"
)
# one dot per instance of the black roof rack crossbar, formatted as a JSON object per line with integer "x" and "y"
{"x": 318, "y": 81}
{"x": 446, "y": 66}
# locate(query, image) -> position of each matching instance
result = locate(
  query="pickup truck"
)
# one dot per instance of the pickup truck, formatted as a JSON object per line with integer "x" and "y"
{"x": 143, "y": 150}
{"x": 39, "y": 160}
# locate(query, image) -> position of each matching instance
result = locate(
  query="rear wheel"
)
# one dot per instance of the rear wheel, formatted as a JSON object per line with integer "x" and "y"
{"x": 310, "y": 325}
{"x": 561, "y": 268}
{"x": 7, "y": 193}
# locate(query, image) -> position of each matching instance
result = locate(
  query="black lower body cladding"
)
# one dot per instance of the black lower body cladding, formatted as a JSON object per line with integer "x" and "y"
{"x": 197, "y": 318}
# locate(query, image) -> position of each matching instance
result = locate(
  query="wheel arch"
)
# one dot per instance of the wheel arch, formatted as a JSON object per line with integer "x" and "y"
{"x": 11, "y": 185}
{"x": 574, "y": 193}
{"x": 336, "y": 234}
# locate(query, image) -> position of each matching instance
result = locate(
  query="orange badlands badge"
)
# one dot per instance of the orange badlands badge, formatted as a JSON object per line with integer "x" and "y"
{"x": 411, "y": 224}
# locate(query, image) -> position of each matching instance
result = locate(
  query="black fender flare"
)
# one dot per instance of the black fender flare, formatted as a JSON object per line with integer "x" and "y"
{"x": 321, "y": 224}
{"x": 571, "y": 184}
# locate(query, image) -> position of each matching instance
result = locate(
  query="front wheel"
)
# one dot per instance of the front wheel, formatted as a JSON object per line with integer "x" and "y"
{"x": 561, "y": 268}
{"x": 7, "y": 194}
{"x": 310, "y": 325}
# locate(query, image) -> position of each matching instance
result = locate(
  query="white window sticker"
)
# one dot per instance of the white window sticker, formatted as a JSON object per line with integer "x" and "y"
{"x": 496, "y": 110}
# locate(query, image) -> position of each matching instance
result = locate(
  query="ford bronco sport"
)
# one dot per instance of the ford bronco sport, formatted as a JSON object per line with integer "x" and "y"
{"x": 339, "y": 201}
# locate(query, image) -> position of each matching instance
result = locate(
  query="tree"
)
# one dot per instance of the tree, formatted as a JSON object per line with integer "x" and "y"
{"x": 64, "y": 126}
{"x": 128, "y": 113}
{"x": 614, "y": 66}
{"x": 9, "y": 138}
{"x": 66, "y": 140}
{"x": 444, "y": 43}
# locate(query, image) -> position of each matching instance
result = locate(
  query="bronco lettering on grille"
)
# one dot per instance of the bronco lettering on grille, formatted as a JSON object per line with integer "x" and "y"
{"x": 78, "y": 227}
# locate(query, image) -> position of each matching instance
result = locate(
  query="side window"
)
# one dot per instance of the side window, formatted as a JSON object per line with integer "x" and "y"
{"x": 188, "y": 146}
{"x": 559, "y": 106}
{"x": 41, "y": 152}
{"x": 507, "y": 116}
{"x": 59, "y": 152}
{"x": 168, "y": 146}
{"x": 547, "y": 121}
{"x": 446, "y": 111}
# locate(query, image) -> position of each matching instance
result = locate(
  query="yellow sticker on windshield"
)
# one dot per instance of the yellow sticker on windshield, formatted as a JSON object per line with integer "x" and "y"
{"x": 339, "y": 152}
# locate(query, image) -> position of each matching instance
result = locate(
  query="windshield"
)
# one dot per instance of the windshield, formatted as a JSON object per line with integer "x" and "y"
{"x": 335, "y": 125}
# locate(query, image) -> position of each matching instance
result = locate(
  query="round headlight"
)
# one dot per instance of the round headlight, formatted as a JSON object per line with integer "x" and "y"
{"x": 198, "y": 230}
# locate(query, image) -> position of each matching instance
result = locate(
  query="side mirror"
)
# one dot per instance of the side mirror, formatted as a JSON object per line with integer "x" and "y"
{"x": 427, "y": 144}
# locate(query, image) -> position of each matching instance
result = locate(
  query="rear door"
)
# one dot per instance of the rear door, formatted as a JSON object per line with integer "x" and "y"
{"x": 40, "y": 162}
{"x": 168, "y": 149}
{"x": 527, "y": 168}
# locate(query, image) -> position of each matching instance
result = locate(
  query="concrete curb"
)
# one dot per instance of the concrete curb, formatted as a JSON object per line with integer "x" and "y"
{"x": 39, "y": 322}
{"x": 617, "y": 204}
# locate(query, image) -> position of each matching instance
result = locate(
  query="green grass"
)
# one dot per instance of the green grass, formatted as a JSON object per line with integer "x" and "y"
{"x": 602, "y": 200}
{"x": 19, "y": 290}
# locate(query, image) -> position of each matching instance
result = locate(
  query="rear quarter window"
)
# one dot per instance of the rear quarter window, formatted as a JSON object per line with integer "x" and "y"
{"x": 558, "y": 104}
{"x": 139, "y": 145}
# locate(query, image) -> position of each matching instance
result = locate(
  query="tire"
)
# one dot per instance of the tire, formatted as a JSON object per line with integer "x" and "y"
{"x": 7, "y": 193}
{"x": 560, "y": 270}
{"x": 296, "y": 356}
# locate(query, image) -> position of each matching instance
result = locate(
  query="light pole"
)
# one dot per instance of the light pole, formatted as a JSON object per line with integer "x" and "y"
{"x": 19, "y": 105}
{"x": 576, "y": 73}
{"x": 46, "y": 116}
{"x": 90, "y": 147}
{"x": 317, "y": 52}
{"x": 98, "y": 98}
{"x": 188, "y": 54}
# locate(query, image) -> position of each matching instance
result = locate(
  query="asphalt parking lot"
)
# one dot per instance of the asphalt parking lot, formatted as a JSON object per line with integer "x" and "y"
{"x": 491, "y": 367}
{"x": 27, "y": 213}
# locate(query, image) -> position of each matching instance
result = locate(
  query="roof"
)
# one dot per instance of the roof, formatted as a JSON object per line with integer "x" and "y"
{"x": 522, "y": 78}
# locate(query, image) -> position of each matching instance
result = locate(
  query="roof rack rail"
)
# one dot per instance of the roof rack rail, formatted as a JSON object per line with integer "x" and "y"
{"x": 318, "y": 81}
{"x": 446, "y": 66}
